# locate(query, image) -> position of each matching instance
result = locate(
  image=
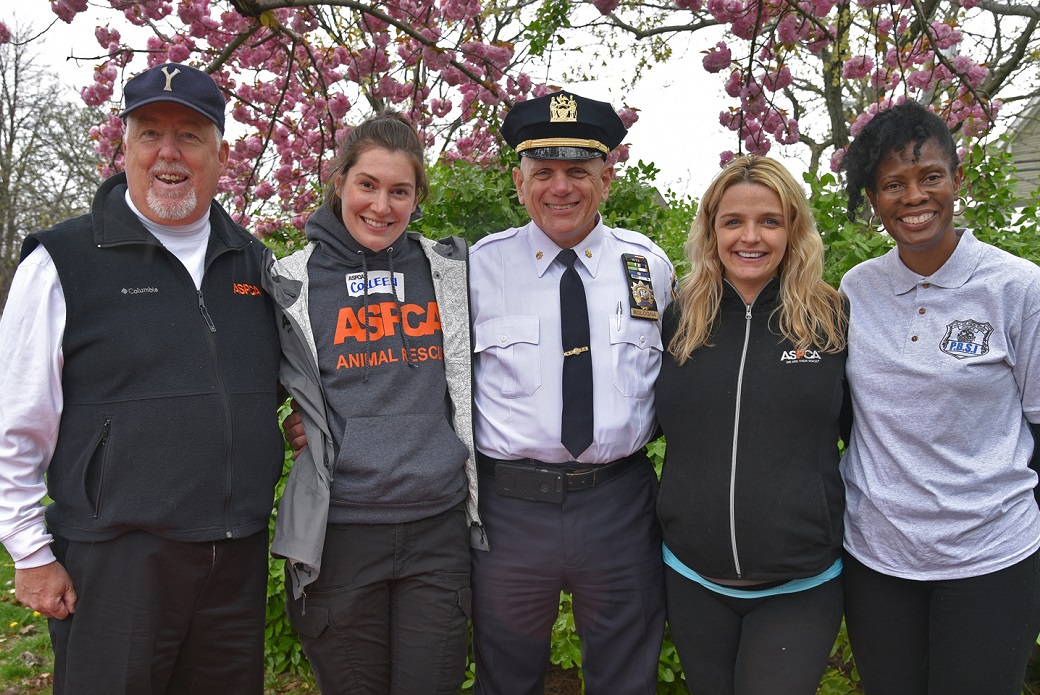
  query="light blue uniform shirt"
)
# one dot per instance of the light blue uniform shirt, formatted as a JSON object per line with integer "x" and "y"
{"x": 518, "y": 366}
{"x": 944, "y": 373}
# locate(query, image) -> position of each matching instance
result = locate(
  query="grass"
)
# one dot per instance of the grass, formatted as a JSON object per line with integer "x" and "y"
{"x": 26, "y": 661}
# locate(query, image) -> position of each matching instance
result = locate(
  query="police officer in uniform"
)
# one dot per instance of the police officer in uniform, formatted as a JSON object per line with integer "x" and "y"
{"x": 567, "y": 334}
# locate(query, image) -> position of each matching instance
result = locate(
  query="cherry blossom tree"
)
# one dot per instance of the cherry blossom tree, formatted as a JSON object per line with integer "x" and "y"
{"x": 800, "y": 73}
{"x": 814, "y": 72}
{"x": 294, "y": 70}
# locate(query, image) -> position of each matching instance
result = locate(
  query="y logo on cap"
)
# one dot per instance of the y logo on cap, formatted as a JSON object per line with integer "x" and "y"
{"x": 169, "y": 78}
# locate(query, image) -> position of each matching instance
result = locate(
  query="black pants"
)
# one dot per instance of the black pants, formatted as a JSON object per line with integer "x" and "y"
{"x": 156, "y": 616}
{"x": 748, "y": 646}
{"x": 602, "y": 545}
{"x": 390, "y": 608}
{"x": 968, "y": 636}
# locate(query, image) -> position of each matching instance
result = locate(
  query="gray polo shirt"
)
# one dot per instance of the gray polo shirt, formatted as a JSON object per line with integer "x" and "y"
{"x": 944, "y": 372}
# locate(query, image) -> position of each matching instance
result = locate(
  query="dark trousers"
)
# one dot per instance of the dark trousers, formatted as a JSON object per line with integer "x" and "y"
{"x": 746, "y": 646}
{"x": 390, "y": 608}
{"x": 602, "y": 545}
{"x": 158, "y": 616}
{"x": 956, "y": 637}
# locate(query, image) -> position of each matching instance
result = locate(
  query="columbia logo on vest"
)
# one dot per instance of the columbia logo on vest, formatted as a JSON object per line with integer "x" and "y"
{"x": 139, "y": 290}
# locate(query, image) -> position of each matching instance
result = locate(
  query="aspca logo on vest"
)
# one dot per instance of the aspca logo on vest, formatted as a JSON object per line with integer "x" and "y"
{"x": 968, "y": 338}
{"x": 380, "y": 320}
{"x": 800, "y": 356}
{"x": 245, "y": 288}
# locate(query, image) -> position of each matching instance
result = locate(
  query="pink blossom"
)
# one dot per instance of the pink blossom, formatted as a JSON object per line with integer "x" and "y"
{"x": 792, "y": 29}
{"x": 944, "y": 36}
{"x": 718, "y": 58}
{"x": 836, "y": 159}
{"x": 5, "y": 33}
{"x": 752, "y": 98}
{"x": 726, "y": 11}
{"x": 730, "y": 119}
{"x": 179, "y": 53}
{"x": 628, "y": 116}
{"x": 734, "y": 83}
{"x": 857, "y": 67}
{"x": 440, "y": 107}
{"x": 787, "y": 133}
{"x": 605, "y": 7}
{"x": 373, "y": 24}
{"x": 777, "y": 80}
{"x": 264, "y": 191}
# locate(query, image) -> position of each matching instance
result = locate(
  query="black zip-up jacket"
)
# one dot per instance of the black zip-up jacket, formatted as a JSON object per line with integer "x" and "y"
{"x": 750, "y": 487}
{"x": 169, "y": 422}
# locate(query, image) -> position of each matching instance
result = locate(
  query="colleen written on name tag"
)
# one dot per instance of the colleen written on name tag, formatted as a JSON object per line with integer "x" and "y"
{"x": 379, "y": 282}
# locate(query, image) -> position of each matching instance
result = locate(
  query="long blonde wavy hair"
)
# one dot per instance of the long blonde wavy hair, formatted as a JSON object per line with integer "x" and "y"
{"x": 811, "y": 314}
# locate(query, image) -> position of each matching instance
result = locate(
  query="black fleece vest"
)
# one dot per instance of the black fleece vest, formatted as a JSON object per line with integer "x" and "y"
{"x": 169, "y": 422}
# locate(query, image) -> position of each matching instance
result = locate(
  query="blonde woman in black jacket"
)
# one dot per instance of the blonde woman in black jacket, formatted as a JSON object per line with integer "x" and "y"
{"x": 750, "y": 397}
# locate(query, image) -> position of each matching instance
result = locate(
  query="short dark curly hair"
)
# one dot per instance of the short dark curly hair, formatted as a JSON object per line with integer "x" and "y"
{"x": 890, "y": 131}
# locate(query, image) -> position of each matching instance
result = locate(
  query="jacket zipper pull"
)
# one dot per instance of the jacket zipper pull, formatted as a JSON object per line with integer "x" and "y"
{"x": 747, "y": 312}
{"x": 205, "y": 313}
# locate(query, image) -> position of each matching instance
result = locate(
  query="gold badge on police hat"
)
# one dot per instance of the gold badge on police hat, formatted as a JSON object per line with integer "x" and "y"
{"x": 563, "y": 109}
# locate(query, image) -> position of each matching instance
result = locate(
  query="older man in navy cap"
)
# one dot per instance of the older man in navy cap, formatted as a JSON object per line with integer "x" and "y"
{"x": 142, "y": 360}
{"x": 566, "y": 322}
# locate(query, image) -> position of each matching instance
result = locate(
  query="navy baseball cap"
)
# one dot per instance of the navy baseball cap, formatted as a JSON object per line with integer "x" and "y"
{"x": 181, "y": 84}
{"x": 562, "y": 125}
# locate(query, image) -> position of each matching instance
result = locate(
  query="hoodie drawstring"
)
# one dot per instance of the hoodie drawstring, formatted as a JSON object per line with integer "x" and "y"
{"x": 397, "y": 305}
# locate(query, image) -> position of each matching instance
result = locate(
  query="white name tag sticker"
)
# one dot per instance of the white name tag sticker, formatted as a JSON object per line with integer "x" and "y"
{"x": 379, "y": 282}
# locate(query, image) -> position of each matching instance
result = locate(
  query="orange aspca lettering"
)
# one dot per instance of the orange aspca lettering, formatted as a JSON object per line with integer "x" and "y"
{"x": 379, "y": 320}
{"x": 245, "y": 288}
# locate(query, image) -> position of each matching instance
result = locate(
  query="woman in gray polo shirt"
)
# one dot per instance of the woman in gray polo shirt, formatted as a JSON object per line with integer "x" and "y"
{"x": 942, "y": 578}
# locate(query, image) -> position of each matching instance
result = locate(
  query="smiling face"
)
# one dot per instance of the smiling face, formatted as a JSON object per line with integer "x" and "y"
{"x": 563, "y": 196}
{"x": 378, "y": 196}
{"x": 174, "y": 157}
{"x": 915, "y": 197}
{"x": 751, "y": 236}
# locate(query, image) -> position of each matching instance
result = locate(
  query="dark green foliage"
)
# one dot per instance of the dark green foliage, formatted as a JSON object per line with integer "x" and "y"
{"x": 469, "y": 201}
{"x": 635, "y": 204}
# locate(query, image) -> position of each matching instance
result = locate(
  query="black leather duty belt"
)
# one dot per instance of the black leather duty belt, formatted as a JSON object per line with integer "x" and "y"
{"x": 538, "y": 481}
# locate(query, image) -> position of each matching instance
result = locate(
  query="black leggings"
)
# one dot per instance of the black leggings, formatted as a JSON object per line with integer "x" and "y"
{"x": 777, "y": 644}
{"x": 960, "y": 636}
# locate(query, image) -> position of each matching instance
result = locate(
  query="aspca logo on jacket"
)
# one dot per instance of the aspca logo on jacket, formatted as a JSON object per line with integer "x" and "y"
{"x": 800, "y": 356}
{"x": 968, "y": 338}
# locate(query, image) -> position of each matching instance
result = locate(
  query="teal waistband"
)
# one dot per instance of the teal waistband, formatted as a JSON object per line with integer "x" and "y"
{"x": 791, "y": 587}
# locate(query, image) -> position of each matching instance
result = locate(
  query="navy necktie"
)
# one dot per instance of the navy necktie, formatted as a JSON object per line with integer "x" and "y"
{"x": 576, "y": 424}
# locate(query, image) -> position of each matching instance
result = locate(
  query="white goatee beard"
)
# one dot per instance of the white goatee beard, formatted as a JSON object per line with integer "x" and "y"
{"x": 172, "y": 209}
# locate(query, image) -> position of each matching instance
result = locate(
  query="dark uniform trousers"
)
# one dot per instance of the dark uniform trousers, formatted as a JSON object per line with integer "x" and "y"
{"x": 601, "y": 544}
{"x": 156, "y": 616}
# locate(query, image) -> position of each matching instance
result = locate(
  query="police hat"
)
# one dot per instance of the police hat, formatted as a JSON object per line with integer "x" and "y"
{"x": 562, "y": 125}
{"x": 181, "y": 84}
